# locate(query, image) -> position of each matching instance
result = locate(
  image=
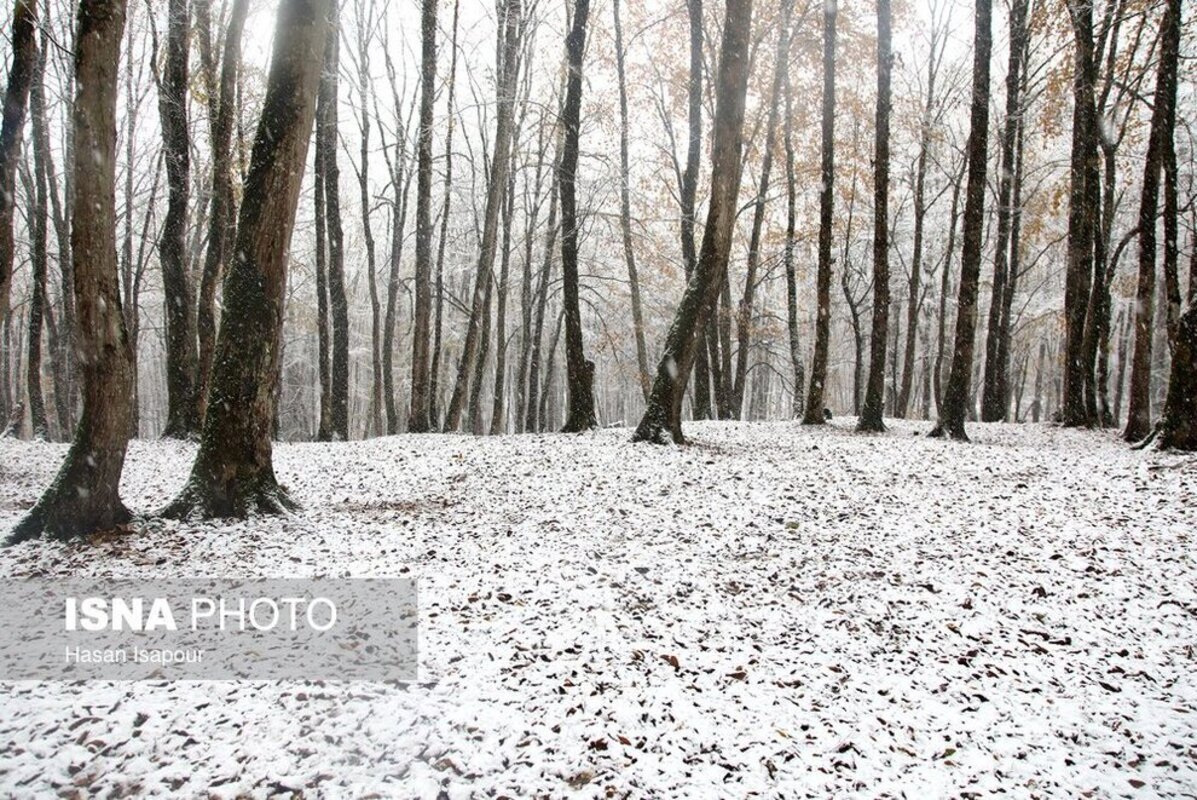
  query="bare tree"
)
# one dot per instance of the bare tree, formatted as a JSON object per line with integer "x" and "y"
{"x": 233, "y": 474}
{"x": 874, "y": 401}
{"x": 579, "y": 369}
{"x": 956, "y": 395}
{"x": 664, "y": 407}
{"x": 1163, "y": 123}
{"x": 85, "y": 497}
{"x": 420, "y": 419}
{"x": 16, "y": 101}
{"x": 818, "y": 369}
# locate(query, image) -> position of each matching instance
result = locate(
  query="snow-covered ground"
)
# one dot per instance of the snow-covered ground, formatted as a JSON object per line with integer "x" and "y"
{"x": 773, "y": 611}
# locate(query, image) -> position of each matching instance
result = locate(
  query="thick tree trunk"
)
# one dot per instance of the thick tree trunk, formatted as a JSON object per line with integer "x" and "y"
{"x": 233, "y": 474}
{"x": 957, "y": 394}
{"x": 870, "y": 415}
{"x": 815, "y": 403}
{"x": 420, "y": 418}
{"x": 579, "y": 369}
{"x": 1178, "y": 426}
{"x": 324, "y": 431}
{"x": 994, "y": 400}
{"x": 85, "y": 495}
{"x": 496, "y": 193}
{"x": 363, "y": 184}
{"x": 38, "y": 307}
{"x": 1163, "y": 121}
{"x": 744, "y": 315}
{"x": 663, "y": 414}
{"x": 182, "y": 410}
{"x": 625, "y": 213}
{"x": 223, "y": 216}
{"x": 16, "y": 101}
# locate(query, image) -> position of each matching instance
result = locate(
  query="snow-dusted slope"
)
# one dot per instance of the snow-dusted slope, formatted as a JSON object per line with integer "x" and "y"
{"x": 772, "y": 612}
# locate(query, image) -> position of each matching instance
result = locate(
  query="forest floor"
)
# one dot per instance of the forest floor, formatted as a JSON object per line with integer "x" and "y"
{"x": 773, "y": 611}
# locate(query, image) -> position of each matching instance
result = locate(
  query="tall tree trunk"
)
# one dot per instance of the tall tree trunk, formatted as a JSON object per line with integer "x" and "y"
{"x": 439, "y": 283}
{"x": 914, "y": 301}
{"x": 85, "y": 496}
{"x": 1081, "y": 216}
{"x": 744, "y": 315}
{"x": 223, "y": 216}
{"x": 324, "y": 431}
{"x": 338, "y": 302}
{"x": 233, "y": 474}
{"x": 688, "y": 195}
{"x": 496, "y": 193}
{"x": 364, "y": 24}
{"x": 579, "y": 369}
{"x": 400, "y": 190}
{"x": 994, "y": 402}
{"x": 663, "y": 414}
{"x": 796, "y": 362}
{"x": 946, "y": 284}
{"x": 625, "y": 212}
{"x": 1163, "y": 122}
{"x": 420, "y": 418}
{"x": 16, "y": 101}
{"x": 815, "y": 402}
{"x": 181, "y": 357}
{"x": 874, "y": 402}
{"x": 957, "y": 394}
{"x": 38, "y": 307}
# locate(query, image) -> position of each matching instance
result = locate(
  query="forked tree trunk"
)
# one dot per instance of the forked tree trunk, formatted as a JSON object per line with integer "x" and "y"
{"x": 84, "y": 497}
{"x": 181, "y": 357}
{"x": 957, "y": 394}
{"x": 420, "y": 418}
{"x": 874, "y": 400}
{"x": 233, "y": 474}
{"x": 579, "y": 369}
{"x": 663, "y": 415}
{"x": 818, "y": 371}
{"x": 223, "y": 215}
{"x": 1163, "y": 120}
{"x": 16, "y": 101}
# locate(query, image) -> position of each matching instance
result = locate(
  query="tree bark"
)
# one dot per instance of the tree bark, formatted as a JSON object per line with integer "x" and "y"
{"x": 338, "y": 302}
{"x": 16, "y": 101}
{"x": 956, "y": 394}
{"x": 664, "y": 408}
{"x": 874, "y": 401}
{"x": 579, "y": 369}
{"x": 1163, "y": 121}
{"x": 688, "y": 195}
{"x": 420, "y": 418}
{"x": 85, "y": 497}
{"x": 181, "y": 356}
{"x": 796, "y": 362}
{"x": 223, "y": 216}
{"x": 233, "y": 474}
{"x": 1081, "y": 216}
{"x": 815, "y": 403}
{"x": 1178, "y": 426}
